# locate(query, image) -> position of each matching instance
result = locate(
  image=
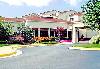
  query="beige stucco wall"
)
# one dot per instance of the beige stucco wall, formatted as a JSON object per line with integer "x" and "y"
{"x": 66, "y": 15}
{"x": 88, "y": 33}
{"x": 46, "y": 25}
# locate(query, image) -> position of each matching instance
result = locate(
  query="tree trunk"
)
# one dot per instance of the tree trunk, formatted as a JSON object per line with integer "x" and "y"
{"x": 98, "y": 32}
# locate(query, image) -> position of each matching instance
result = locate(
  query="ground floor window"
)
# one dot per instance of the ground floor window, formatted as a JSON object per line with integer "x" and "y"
{"x": 44, "y": 33}
{"x": 53, "y": 33}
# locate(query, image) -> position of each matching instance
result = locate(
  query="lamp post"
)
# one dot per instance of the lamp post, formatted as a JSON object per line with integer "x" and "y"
{"x": 26, "y": 22}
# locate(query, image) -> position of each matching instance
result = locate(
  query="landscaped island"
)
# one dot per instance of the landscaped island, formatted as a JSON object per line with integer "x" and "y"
{"x": 86, "y": 47}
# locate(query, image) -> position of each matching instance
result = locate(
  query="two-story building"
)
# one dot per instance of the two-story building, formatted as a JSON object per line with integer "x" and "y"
{"x": 46, "y": 24}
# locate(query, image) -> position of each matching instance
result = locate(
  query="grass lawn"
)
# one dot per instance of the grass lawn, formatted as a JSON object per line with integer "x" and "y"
{"x": 53, "y": 42}
{"x": 88, "y": 45}
{"x": 1, "y": 45}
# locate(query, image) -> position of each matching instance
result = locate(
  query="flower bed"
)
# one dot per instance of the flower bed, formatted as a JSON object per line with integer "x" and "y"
{"x": 61, "y": 41}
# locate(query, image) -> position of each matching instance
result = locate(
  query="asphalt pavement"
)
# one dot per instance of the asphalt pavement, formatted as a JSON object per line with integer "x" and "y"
{"x": 52, "y": 57}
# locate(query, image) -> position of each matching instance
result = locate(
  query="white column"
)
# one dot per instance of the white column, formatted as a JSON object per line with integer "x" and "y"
{"x": 73, "y": 35}
{"x": 67, "y": 33}
{"x": 34, "y": 33}
{"x": 38, "y": 32}
{"x": 26, "y": 23}
{"x": 76, "y": 35}
{"x": 48, "y": 32}
{"x": 54, "y": 33}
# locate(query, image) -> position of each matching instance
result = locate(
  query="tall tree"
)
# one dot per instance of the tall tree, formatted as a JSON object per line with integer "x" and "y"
{"x": 92, "y": 14}
{"x": 1, "y": 18}
{"x": 5, "y": 31}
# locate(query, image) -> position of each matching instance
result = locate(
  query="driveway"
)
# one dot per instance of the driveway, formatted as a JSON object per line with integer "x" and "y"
{"x": 53, "y": 57}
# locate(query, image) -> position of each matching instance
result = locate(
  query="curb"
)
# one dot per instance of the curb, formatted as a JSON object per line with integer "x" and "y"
{"x": 8, "y": 54}
{"x": 12, "y": 54}
{"x": 84, "y": 49}
{"x": 10, "y": 51}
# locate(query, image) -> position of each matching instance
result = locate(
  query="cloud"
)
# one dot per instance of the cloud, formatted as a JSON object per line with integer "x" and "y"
{"x": 37, "y": 3}
{"x": 72, "y": 2}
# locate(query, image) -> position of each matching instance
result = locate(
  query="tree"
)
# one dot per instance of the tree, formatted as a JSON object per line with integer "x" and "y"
{"x": 1, "y": 18}
{"x": 92, "y": 14}
{"x": 5, "y": 31}
{"x": 27, "y": 33}
{"x": 59, "y": 32}
{"x": 92, "y": 18}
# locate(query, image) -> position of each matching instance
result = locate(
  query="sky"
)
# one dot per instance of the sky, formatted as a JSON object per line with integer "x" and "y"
{"x": 18, "y": 8}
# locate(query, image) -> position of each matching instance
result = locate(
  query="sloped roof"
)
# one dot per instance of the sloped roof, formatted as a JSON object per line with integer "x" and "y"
{"x": 37, "y": 18}
{"x": 78, "y": 13}
{"x": 14, "y": 20}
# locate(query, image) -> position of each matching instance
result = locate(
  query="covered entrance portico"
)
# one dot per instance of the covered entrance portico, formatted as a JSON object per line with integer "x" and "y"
{"x": 75, "y": 31}
{"x": 49, "y": 32}
{"x": 48, "y": 29}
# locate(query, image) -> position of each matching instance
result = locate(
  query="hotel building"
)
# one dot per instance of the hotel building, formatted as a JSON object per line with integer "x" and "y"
{"x": 46, "y": 24}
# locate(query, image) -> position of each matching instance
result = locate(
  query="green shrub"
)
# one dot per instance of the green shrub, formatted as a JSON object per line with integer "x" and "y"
{"x": 1, "y": 45}
{"x": 95, "y": 40}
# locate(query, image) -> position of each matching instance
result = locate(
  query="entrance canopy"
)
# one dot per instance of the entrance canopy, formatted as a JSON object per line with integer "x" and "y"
{"x": 48, "y": 25}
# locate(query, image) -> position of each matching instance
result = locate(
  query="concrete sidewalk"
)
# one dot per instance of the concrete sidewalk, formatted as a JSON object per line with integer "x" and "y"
{"x": 83, "y": 42}
{"x": 8, "y": 51}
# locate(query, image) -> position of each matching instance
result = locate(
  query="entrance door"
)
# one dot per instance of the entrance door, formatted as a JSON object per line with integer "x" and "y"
{"x": 70, "y": 35}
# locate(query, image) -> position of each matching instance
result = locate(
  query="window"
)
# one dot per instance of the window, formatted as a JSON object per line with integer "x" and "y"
{"x": 71, "y": 19}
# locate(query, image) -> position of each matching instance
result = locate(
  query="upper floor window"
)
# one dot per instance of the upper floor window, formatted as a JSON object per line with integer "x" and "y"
{"x": 71, "y": 19}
